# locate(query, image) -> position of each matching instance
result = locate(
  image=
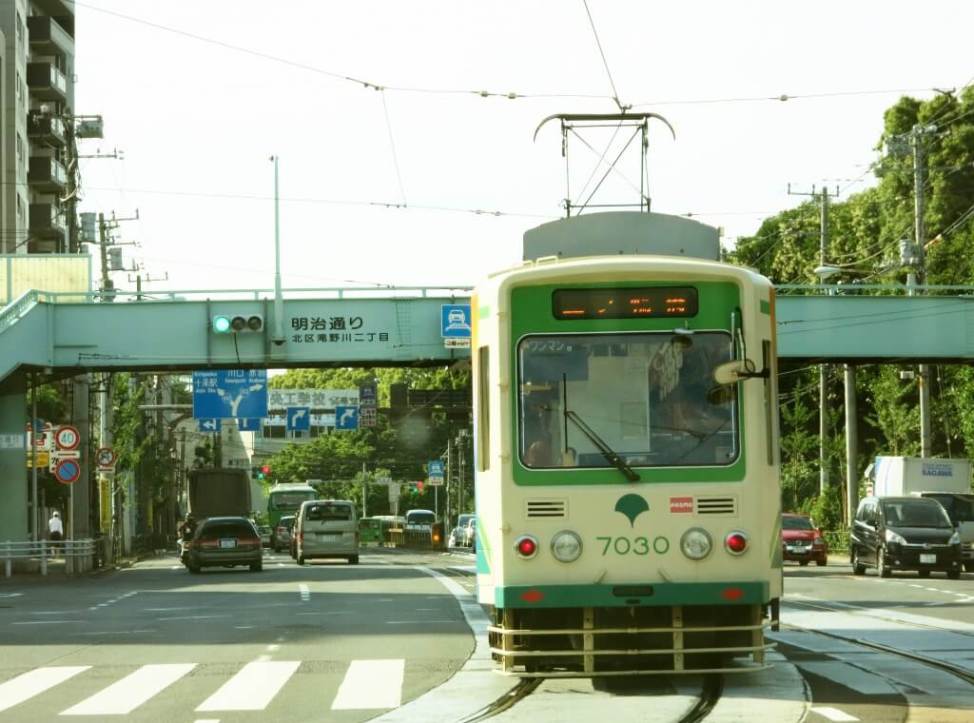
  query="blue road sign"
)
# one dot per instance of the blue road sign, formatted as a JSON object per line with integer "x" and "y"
{"x": 455, "y": 321}
{"x": 210, "y": 425}
{"x": 298, "y": 419}
{"x": 67, "y": 471}
{"x": 434, "y": 472}
{"x": 230, "y": 393}
{"x": 346, "y": 417}
{"x": 248, "y": 424}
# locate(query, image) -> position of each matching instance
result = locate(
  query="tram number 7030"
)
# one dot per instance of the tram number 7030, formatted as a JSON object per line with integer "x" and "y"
{"x": 634, "y": 545}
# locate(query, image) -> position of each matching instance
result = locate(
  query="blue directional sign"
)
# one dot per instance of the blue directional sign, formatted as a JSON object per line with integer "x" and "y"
{"x": 346, "y": 417}
{"x": 434, "y": 472}
{"x": 230, "y": 393}
{"x": 248, "y": 425}
{"x": 210, "y": 425}
{"x": 455, "y": 321}
{"x": 298, "y": 419}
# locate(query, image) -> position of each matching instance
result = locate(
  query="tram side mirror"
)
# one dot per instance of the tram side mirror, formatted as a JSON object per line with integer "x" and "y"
{"x": 730, "y": 372}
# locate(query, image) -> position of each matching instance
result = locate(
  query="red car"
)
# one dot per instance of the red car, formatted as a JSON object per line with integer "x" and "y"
{"x": 801, "y": 541}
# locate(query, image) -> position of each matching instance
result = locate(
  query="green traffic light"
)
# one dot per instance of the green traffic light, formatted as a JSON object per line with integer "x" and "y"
{"x": 221, "y": 324}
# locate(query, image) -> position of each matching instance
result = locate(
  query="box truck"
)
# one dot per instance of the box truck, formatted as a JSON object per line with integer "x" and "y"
{"x": 946, "y": 480}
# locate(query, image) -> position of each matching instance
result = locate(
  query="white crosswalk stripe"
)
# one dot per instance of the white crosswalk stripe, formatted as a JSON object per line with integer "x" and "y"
{"x": 367, "y": 685}
{"x": 26, "y": 686}
{"x": 253, "y": 687}
{"x": 371, "y": 684}
{"x": 133, "y": 690}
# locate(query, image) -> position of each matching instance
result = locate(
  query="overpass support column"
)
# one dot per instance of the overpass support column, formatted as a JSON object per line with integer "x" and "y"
{"x": 851, "y": 444}
{"x": 13, "y": 469}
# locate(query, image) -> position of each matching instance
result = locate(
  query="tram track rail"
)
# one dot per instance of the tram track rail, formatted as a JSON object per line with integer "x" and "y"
{"x": 711, "y": 690}
{"x": 942, "y": 665}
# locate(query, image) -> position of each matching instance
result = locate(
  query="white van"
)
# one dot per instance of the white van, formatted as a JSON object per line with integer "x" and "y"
{"x": 327, "y": 528}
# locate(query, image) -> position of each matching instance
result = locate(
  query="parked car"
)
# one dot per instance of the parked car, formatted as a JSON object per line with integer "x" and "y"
{"x": 802, "y": 542}
{"x": 904, "y": 533}
{"x": 282, "y": 533}
{"x": 225, "y": 542}
{"x": 326, "y": 528}
{"x": 459, "y": 535}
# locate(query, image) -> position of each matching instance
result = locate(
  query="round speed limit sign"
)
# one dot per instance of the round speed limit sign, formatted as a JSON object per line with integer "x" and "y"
{"x": 67, "y": 437}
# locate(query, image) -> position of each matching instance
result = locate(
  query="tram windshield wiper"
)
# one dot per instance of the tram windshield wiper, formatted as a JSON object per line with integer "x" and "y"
{"x": 618, "y": 462}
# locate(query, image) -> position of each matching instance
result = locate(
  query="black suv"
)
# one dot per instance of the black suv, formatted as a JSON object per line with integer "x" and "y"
{"x": 904, "y": 533}
{"x": 225, "y": 542}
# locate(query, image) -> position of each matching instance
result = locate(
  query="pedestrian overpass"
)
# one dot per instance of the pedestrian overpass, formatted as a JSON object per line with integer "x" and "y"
{"x": 62, "y": 334}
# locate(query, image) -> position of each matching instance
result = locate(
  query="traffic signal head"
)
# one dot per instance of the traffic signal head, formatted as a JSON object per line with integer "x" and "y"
{"x": 263, "y": 471}
{"x": 237, "y": 323}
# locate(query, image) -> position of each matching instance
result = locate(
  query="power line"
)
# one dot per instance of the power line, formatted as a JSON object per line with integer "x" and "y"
{"x": 392, "y": 145}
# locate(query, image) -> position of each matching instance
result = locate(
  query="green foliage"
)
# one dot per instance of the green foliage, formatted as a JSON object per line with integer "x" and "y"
{"x": 865, "y": 228}
{"x": 826, "y": 509}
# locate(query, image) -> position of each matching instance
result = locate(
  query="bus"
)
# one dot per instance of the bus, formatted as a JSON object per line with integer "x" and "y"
{"x": 285, "y": 499}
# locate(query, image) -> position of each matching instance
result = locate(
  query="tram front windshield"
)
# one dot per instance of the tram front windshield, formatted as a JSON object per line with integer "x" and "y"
{"x": 649, "y": 398}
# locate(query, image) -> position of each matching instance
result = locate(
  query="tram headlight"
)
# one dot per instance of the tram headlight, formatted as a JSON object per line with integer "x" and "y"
{"x": 696, "y": 543}
{"x": 566, "y": 546}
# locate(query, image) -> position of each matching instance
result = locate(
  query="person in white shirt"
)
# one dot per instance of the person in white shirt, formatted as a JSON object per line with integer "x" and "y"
{"x": 55, "y": 528}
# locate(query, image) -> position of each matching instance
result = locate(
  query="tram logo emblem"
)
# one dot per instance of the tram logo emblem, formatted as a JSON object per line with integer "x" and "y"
{"x": 632, "y": 506}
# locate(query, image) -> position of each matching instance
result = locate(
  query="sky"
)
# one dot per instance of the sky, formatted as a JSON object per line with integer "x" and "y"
{"x": 395, "y": 170}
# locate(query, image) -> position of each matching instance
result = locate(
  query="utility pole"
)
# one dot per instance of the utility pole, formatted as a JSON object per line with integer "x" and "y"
{"x": 139, "y": 278}
{"x": 823, "y": 271}
{"x": 920, "y": 238}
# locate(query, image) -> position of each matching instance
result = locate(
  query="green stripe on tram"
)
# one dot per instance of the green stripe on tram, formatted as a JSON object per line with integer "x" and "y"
{"x": 632, "y": 595}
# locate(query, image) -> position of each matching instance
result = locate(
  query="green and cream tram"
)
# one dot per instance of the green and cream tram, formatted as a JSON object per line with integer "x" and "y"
{"x": 627, "y": 482}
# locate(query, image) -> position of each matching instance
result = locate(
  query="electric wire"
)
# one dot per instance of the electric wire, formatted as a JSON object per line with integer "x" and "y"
{"x": 392, "y": 144}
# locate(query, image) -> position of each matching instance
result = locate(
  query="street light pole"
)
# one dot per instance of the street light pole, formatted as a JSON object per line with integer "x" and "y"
{"x": 278, "y": 337}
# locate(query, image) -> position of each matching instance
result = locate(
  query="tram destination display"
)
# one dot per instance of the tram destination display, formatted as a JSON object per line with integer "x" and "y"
{"x": 625, "y": 303}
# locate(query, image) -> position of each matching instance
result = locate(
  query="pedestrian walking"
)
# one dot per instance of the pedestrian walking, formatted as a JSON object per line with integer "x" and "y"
{"x": 55, "y": 529}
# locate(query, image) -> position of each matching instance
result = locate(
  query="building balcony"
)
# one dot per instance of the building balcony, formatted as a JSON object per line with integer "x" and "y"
{"x": 46, "y": 175}
{"x": 46, "y": 82}
{"x": 47, "y": 222}
{"x": 47, "y": 37}
{"x": 63, "y": 10}
{"x": 45, "y": 129}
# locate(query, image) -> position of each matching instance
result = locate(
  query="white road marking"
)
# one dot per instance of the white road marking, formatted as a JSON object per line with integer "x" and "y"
{"x": 12, "y": 594}
{"x": 253, "y": 687}
{"x": 305, "y": 592}
{"x": 272, "y": 648}
{"x": 834, "y": 714}
{"x": 133, "y": 690}
{"x": 371, "y": 684}
{"x": 424, "y": 621}
{"x": 47, "y": 622}
{"x": 193, "y": 617}
{"x": 27, "y": 685}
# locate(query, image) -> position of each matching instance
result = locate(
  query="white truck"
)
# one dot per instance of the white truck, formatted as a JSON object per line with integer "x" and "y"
{"x": 946, "y": 480}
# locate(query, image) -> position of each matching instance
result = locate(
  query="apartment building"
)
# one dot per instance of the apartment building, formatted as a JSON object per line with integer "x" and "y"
{"x": 37, "y": 127}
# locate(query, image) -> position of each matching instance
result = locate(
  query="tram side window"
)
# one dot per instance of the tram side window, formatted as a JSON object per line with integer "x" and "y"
{"x": 483, "y": 408}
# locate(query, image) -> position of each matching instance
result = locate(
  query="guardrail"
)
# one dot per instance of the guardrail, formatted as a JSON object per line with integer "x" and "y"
{"x": 78, "y": 555}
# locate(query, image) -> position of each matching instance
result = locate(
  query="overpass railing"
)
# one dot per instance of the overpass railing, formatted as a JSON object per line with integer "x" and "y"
{"x": 327, "y": 292}
{"x": 872, "y": 290}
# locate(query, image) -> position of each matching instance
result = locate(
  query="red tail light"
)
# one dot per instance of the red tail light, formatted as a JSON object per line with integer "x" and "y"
{"x": 736, "y": 543}
{"x": 526, "y": 546}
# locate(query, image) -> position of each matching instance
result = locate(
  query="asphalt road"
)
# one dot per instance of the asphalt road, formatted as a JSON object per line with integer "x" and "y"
{"x": 324, "y": 641}
{"x": 387, "y": 639}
